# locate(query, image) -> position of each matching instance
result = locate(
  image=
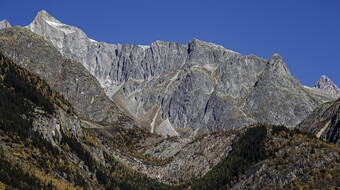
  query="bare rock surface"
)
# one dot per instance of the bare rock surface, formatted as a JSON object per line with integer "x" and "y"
{"x": 68, "y": 77}
{"x": 197, "y": 85}
{"x": 324, "y": 122}
{"x": 4, "y": 24}
{"x": 326, "y": 84}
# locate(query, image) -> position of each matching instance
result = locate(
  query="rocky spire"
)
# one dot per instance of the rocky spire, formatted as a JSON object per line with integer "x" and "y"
{"x": 44, "y": 15}
{"x": 54, "y": 31}
{"x": 325, "y": 83}
{"x": 4, "y": 24}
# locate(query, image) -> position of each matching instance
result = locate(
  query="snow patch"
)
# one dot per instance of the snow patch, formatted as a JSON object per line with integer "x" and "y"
{"x": 144, "y": 47}
{"x": 219, "y": 46}
{"x": 92, "y": 40}
{"x": 60, "y": 26}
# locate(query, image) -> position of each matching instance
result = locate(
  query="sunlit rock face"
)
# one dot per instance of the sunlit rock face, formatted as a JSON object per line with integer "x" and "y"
{"x": 69, "y": 78}
{"x": 326, "y": 84}
{"x": 4, "y": 24}
{"x": 176, "y": 88}
{"x": 324, "y": 122}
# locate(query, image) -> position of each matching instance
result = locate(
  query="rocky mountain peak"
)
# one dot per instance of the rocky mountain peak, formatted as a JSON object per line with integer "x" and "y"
{"x": 164, "y": 82}
{"x": 278, "y": 65}
{"x": 325, "y": 83}
{"x": 276, "y": 56}
{"x": 4, "y": 24}
{"x": 45, "y": 16}
{"x": 197, "y": 44}
{"x": 53, "y": 30}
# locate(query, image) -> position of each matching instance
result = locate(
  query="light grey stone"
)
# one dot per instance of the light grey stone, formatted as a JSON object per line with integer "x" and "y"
{"x": 68, "y": 77}
{"x": 4, "y": 24}
{"x": 326, "y": 84}
{"x": 196, "y": 85}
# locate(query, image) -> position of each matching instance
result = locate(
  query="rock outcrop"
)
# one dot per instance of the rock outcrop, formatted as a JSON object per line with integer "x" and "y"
{"x": 44, "y": 144}
{"x": 294, "y": 163}
{"x": 59, "y": 130}
{"x": 324, "y": 122}
{"x": 69, "y": 78}
{"x": 4, "y": 24}
{"x": 35, "y": 102}
{"x": 326, "y": 84}
{"x": 197, "y": 85}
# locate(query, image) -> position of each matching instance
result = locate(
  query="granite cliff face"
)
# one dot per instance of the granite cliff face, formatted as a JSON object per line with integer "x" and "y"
{"x": 324, "y": 122}
{"x": 197, "y": 86}
{"x": 44, "y": 144}
{"x": 76, "y": 126}
{"x": 326, "y": 84}
{"x": 69, "y": 78}
{"x": 30, "y": 101}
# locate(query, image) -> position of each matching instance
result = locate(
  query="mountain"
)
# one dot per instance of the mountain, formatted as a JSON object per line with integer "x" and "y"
{"x": 44, "y": 144}
{"x": 326, "y": 84}
{"x": 324, "y": 122}
{"x": 122, "y": 139}
{"x": 143, "y": 126}
{"x": 69, "y": 78}
{"x": 182, "y": 89}
{"x": 4, "y": 24}
{"x": 273, "y": 157}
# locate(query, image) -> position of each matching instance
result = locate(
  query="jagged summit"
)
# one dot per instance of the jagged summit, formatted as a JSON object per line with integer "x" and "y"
{"x": 325, "y": 83}
{"x": 44, "y": 15}
{"x": 204, "y": 44}
{"x": 164, "y": 82}
{"x": 276, "y": 56}
{"x": 45, "y": 24}
{"x": 60, "y": 130}
{"x": 4, "y": 24}
{"x": 43, "y": 18}
{"x": 278, "y": 66}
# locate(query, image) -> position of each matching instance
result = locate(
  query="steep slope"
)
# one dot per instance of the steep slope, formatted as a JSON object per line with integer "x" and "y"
{"x": 43, "y": 144}
{"x": 42, "y": 137}
{"x": 277, "y": 97}
{"x": 25, "y": 96}
{"x": 273, "y": 157}
{"x": 198, "y": 86}
{"x": 69, "y": 78}
{"x": 33, "y": 118}
{"x": 256, "y": 157}
{"x": 120, "y": 143}
{"x": 326, "y": 84}
{"x": 174, "y": 160}
{"x": 324, "y": 122}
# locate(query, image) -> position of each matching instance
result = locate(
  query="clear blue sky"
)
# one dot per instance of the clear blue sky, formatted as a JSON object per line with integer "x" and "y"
{"x": 305, "y": 32}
